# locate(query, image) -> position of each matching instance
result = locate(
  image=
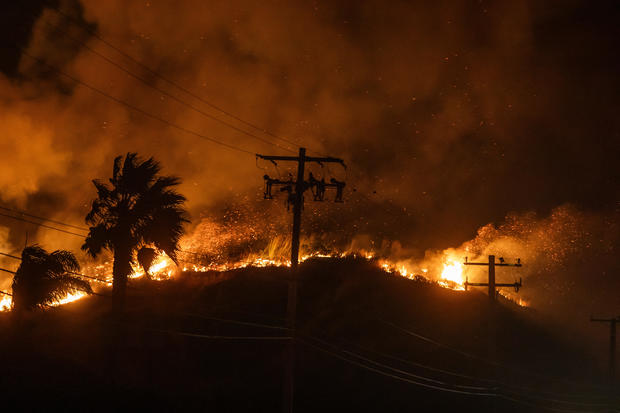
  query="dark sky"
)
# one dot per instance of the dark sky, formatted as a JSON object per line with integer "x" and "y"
{"x": 455, "y": 112}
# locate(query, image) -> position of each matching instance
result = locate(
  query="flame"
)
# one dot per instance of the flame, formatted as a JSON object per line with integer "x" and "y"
{"x": 452, "y": 271}
{"x": 162, "y": 268}
{"x": 452, "y": 275}
{"x": 69, "y": 298}
{"x": 5, "y": 303}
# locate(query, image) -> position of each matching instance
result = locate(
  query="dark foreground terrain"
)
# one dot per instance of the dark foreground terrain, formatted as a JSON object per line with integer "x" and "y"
{"x": 366, "y": 341}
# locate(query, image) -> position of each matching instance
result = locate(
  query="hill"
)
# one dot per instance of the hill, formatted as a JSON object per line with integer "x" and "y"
{"x": 365, "y": 341}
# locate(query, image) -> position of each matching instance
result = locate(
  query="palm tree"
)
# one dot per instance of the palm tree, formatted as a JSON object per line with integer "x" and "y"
{"x": 43, "y": 278}
{"x": 140, "y": 208}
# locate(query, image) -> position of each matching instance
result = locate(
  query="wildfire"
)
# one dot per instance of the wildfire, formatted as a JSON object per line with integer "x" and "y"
{"x": 69, "y": 298}
{"x": 5, "y": 303}
{"x": 163, "y": 268}
{"x": 453, "y": 272}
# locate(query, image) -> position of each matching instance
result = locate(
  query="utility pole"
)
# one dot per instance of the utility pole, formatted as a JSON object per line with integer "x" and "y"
{"x": 491, "y": 283}
{"x": 297, "y": 199}
{"x": 612, "y": 343}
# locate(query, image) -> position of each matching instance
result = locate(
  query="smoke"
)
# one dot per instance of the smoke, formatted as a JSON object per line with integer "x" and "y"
{"x": 569, "y": 260}
{"x": 448, "y": 114}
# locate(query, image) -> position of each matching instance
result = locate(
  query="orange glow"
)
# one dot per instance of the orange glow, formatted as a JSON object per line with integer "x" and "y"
{"x": 452, "y": 275}
{"x": 453, "y": 271}
{"x": 5, "y": 303}
{"x": 69, "y": 298}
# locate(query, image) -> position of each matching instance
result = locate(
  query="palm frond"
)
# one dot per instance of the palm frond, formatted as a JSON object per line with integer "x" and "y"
{"x": 99, "y": 237}
{"x": 66, "y": 260}
{"x": 140, "y": 208}
{"x": 43, "y": 278}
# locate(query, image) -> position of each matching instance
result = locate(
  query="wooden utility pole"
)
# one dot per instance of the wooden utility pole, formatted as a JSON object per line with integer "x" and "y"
{"x": 297, "y": 198}
{"x": 491, "y": 284}
{"x": 612, "y": 343}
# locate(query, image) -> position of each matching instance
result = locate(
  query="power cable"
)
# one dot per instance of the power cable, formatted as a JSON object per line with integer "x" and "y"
{"x": 432, "y": 380}
{"x": 75, "y": 288}
{"x": 472, "y": 356}
{"x": 135, "y": 108}
{"x": 171, "y": 96}
{"x": 488, "y": 392}
{"x": 165, "y": 79}
{"x": 196, "y": 335}
{"x": 43, "y": 219}
{"x": 69, "y": 272}
{"x": 243, "y": 323}
{"x": 375, "y": 370}
{"x": 496, "y": 388}
{"x": 42, "y": 225}
{"x": 460, "y": 375}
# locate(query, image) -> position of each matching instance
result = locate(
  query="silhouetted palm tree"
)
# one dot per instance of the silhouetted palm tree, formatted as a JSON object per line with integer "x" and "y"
{"x": 44, "y": 278}
{"x": 139, "y": 208}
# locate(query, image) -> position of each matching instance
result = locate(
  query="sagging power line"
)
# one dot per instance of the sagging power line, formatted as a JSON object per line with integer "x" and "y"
{"x": 70, "y": 272}
{"x": 164, "y": 92}
{"x": 16, "y": 211}
{"x": 133, "y": 107}
{"x": 167, "y": 80}
{"x": 71, "y": 233}
{"x": 42, "y": 225}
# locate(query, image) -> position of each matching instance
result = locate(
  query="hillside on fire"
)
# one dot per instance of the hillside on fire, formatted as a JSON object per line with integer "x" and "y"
{"x": 302, "y": 206}
{"x": 367, "y": 340}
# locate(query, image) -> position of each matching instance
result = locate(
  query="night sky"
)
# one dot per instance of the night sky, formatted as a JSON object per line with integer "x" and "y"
{"x": 449, "y": 114}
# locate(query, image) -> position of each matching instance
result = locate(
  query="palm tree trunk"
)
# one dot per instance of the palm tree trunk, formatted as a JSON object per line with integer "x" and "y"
{"x": 120, "y": 271}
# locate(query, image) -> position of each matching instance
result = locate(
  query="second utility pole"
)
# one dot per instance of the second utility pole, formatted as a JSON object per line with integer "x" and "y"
{"x": 491, "y": 284}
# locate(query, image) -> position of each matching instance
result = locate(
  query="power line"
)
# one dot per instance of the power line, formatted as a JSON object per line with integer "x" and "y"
{"x": 135, "y": 108}
{"x": 42, "y": 225}
{"x": 460, "y": 375}
{"x": 432, "y": 380}
{"x": 171, "y": 96}
{"x": 66, "y": 232}
{"x": 500, "y": 385}
{"x": 5, "y": 293}
{"x": 488, "y": 392}
{"x": 165, "y": 79}
{"x": 472, "y": 356}
{"x": 375, "y": 370}
{"x": 69, "y": 272}
{"x": 196, "y": 335}
{"x": 43, "y": 219}
{"x": 75, "y": 288}
{"x": 243, "y": 323}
